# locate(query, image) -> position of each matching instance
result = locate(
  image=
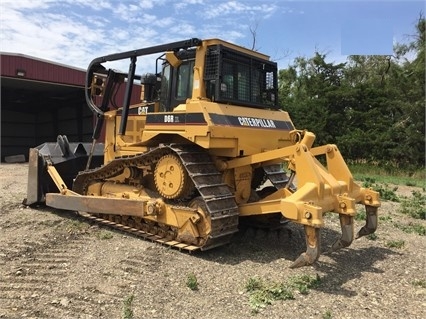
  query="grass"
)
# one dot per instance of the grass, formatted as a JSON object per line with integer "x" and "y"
{"x": 360, "y": 214}
{"x": 327, "y": 315}
{"x": 419, "y": 283}
{"x": 385, "y": 218}
{"x": 395, "y": 244}
{"x": 372, "y": 236}
{"x": 191, "y": 281}
{"x": 388, "y": 174}
{"x": 412, "y": 228}
{"x": 304, "y": 282}
{"x": 127, "y": 307}
{"x": 385, "y": 192}
{"x": 104, "y": 234}
{"x": 414, "y": 206}
{"x": 263, "y": 293}
{"x": 76, "y": 225}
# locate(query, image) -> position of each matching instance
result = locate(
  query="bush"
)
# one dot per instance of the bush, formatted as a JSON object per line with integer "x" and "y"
{"x": 264, "y": 293}
{"x": 385, "y": 192}
{"x": 192, "y": 282}
{"x": 414, "y": 206}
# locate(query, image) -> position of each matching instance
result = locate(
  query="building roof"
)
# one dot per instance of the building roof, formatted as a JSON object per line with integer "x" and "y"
{"x": 14, "y": 65}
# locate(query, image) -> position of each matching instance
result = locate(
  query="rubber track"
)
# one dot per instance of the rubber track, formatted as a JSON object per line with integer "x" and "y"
{"x": 218, "y": 198}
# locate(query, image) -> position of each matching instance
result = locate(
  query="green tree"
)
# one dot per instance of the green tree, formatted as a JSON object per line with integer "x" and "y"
{"x": 373, "y": 107}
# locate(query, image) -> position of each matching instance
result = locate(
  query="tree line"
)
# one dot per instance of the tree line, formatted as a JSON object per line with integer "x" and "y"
{"x": 371, "y": 106}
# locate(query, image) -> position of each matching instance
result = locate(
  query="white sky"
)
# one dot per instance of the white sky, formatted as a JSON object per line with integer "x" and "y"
{"x": 73, "y": 32}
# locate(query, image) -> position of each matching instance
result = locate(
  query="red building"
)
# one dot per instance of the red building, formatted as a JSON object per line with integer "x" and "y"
{"x": 40, "y": 100}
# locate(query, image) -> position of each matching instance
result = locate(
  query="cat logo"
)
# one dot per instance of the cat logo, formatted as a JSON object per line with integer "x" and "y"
{"x": 142, "y": 110}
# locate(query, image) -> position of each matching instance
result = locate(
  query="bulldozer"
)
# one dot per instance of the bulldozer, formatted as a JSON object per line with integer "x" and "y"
{"x": 207, "y": 147}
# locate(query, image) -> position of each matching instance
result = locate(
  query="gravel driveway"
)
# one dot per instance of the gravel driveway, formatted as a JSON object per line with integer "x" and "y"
{"x": 55, "y": 264}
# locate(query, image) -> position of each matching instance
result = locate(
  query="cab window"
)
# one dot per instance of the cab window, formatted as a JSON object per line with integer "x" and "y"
{"x": 185, "y": 77}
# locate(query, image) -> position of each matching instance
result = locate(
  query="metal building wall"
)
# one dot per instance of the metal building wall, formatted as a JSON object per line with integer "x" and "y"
{"x": 30, "y": 68}
{"x": 40, "y": 100}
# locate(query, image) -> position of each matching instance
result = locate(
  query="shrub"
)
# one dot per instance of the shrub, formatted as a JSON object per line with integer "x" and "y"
{"x": 127, "y": 307}
{"x": 414, "y": 206}
{"x": 191, "y": 281}
{"x": 395, "y": 244}
{"x": 264, "y": 293}
{"x": 385, "y": 192}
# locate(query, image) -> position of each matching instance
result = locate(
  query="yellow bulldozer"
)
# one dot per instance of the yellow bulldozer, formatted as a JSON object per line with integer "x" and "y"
{"x": 207, "y": 147}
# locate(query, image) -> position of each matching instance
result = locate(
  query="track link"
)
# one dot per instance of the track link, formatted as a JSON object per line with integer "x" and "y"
{"x": 216, "y": 195}
{"x": 276, "y": 175}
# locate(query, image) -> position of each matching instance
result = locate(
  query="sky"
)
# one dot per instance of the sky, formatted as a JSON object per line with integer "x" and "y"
{"x": 74, "y": 32}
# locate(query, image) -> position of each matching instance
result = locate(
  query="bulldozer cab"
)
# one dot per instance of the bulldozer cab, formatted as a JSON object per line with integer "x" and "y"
{"x": 229, "y": 76}
{"x": 177, "y": 78}
{"x": 237, "y": 78}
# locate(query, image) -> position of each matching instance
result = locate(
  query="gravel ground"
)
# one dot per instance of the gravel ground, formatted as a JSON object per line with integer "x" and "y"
{"x": 54, "y": 264}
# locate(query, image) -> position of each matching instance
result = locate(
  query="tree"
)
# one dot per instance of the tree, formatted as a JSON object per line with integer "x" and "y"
{"x": 373, "y": 107}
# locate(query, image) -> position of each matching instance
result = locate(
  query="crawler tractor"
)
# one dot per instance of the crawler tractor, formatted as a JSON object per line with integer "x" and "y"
{"x": 207, "y": 147}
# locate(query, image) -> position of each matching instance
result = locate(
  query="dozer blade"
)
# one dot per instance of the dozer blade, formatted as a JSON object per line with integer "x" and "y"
{"x": 67, "y": 158}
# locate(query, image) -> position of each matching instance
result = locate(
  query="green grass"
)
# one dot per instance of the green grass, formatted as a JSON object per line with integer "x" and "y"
{"x": 76, "y": 226}
{"x": 385, "y": 218}
{"x": 127, "y": 307}
{"x": 419, "y": 283}
{"x": 412, "y": 228}
{"x": 104, "y": 234}
{"x": 263, "y": 293}
{"x": 414, "y": 206}
{"x": 395, "y": 244}
{"x": 385, "y": 192}
{"x": 388, "y": 174}
{"x": 327, "y": 315}
{"x": 360, "y": 214}
{"x": 304, "y": 282}
{"x": 372, "y": 236}
{"x": 191, "y": 281}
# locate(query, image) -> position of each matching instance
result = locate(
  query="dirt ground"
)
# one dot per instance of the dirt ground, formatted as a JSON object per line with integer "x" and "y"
{"x": 54, "y": 264}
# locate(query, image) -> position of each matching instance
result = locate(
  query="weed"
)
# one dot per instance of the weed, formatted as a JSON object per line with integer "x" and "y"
{"x": 419, "y": 229}
{"x": 191, "y": 281}
{"x": 385, "y": 218}
{"x": 385, "y": 192}
{"x": 395, "y": 244}
{"x": 412, "y": 228}
{"x": 104, "y": 234}
{"x": 419, "y": 283}
{"x": 75, "y": 225}
{"x": 253, "y": 284}
{"x": 264, "y": 293}
{"x": 397, "y": 176}
{"x": 360, "y": 215}
{"x": 372, "y": 236}
{"x": 305, "y": 282}
{"x": 127, "y": 307}
{"x": 327, "y": 315}
{"x": 414, "y": 206}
